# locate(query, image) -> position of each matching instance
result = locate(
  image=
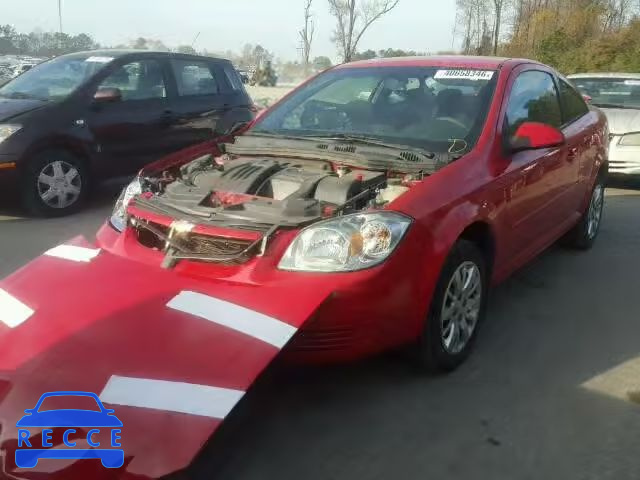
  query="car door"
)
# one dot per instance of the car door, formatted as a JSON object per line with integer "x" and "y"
{"x": 534, "y": 179}
{"x": 136, "y": 129}
{"x": 580, "y": 131}
{"x": 198, "y": 105}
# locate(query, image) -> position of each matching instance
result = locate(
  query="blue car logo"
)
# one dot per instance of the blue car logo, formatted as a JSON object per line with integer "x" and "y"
{"x": 70, "y": 419}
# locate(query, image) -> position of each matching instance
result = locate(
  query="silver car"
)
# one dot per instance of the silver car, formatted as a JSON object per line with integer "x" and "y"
{"x": 618, "y": 96}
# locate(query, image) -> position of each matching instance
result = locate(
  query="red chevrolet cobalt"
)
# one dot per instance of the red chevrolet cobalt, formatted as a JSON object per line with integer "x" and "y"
{"x": 372, "y": 207}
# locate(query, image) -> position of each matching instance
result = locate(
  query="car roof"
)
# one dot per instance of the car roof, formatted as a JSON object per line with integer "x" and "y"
{"x": 455, "y": 61}
{"x": 120, "y": 53}
{"x": 605, "y": 75}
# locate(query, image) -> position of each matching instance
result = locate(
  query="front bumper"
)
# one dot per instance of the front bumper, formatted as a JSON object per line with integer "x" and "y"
{"x": 623, "y": 160}
{"x": 366, "y": 312}
{"x": 8, "y": 172}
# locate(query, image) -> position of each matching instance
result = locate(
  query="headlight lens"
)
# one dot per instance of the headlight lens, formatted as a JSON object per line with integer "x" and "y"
{"x": 119, "y": 215}
{"x": 630, "y": 140}
{"x": 344, "y": 244}
{"x": 6, "y": 130}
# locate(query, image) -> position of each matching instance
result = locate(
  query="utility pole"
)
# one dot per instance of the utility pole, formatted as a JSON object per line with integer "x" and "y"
{"x": 60, "y": 16}
{"x": 60, "y": 23}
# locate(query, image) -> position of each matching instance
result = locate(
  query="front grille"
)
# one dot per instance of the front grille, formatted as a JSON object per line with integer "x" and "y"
{"x": 196, "y": 243}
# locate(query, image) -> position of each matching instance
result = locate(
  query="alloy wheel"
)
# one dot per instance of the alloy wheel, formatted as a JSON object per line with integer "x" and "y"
{"x": 461, "y": 307}
{"x": 595, "y": 211}
{"x": 59, "y": 184}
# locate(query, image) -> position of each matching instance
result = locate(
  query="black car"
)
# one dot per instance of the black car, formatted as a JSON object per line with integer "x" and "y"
{"x": 80, "y": 118}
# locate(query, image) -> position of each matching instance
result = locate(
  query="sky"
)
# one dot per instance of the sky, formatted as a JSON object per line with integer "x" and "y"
{"x": 421, "y": 25}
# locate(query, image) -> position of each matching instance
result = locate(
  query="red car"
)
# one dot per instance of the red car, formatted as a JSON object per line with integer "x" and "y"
{"x": 372, "y": 207}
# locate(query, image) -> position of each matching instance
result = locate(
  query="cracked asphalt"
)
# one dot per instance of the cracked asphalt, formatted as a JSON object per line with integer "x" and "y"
{"x": 552, "y": 390}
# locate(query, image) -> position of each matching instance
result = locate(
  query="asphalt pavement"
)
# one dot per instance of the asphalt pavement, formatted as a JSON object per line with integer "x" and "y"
{"x": 552, "y": 390}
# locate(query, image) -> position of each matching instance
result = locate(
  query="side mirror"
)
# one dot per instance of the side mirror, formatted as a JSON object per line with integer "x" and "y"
{"x": 534, "y": 135}
{"x": 108, "y": 95}
{"x": 587, "y": 98}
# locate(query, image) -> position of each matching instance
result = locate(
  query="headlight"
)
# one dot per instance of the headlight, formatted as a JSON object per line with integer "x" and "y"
{"x": 345, "y": 244}
{"x": 630, "y": 140}
{"x": 119, "y": 215}
{"x": 6, "y": 130}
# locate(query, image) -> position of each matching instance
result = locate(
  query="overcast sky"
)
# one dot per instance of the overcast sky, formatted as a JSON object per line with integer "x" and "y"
{"x": 422, "y": 25}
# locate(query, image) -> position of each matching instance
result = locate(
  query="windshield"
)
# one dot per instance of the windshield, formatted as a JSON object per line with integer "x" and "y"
{"x": 436, "y": 108}
{"x": 611, "y": 92}
{"x": 55, "y": 79}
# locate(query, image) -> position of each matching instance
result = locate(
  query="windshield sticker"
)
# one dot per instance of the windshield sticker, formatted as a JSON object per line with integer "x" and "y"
{"x": 464, "y": 74}
{"x": 632, "y": 82}
{"x": 99, "y": 59}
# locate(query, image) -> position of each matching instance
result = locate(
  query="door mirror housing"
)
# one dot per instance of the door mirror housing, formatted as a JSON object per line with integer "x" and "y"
{"x": 108, "y": 95}
{"x": 535, "y": 135}
{"x": 587, "y": 98}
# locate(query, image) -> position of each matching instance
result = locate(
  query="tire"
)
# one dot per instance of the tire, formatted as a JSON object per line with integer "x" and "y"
{"x": 584, "y": 234}
{"x": 440, "y": 351}
{"x": 66, "y": 186}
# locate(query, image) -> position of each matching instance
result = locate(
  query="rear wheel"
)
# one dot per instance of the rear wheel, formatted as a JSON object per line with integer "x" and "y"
{"x": 584, "y": 234}
{"x": 457, "y": 309}
{"x": 55, "y": 184}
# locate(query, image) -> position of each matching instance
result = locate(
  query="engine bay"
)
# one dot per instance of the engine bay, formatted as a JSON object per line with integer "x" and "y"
{"x": 270, "y": 190}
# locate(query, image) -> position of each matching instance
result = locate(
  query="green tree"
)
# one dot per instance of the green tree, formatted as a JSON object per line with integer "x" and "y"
{"x": 321, "y": 63}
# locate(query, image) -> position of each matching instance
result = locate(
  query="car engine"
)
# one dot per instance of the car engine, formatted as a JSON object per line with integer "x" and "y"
{"x": 271, "y": 190}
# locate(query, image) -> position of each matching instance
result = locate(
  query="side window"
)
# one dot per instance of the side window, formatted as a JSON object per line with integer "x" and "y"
{"x": 141, "y": 80}
{"x": 533, "y": 98}
{"x": 234, "y": 78}
{"x": 194, "y": 77}
{"x": 573, "y": 104}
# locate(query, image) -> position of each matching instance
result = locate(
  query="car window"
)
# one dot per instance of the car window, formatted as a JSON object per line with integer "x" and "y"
{"x": 141, "y": 80}
{"x": 610, "y": 92}
{"x": 56, "y": 79}
{"x": 438, "y": 108}
{"x": 234, "y": 78}
{"x": 194, "y": 78}
{"x": 533, "y": 98}
{"x": 573, "y": 104}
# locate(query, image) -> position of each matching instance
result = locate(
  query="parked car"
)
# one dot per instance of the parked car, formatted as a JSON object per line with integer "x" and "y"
{"x": 80, "y": 118}
{"x": 21, "y": 68}
{"x": 333, "y": 228}
{"x": 618, "y": 95}
{"x": 244, "y": 76}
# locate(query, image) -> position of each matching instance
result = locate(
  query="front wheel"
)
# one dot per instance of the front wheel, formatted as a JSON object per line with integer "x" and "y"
{"x": 456, "y": 311}
{"x": 55, "y": 184}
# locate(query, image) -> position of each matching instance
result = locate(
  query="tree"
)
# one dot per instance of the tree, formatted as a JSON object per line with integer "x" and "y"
{"x": 353, "y": 18}
{"x": 321, "y": 63}
{"x": 497, "y": 4}
{"x": 140, "y": 43}
{"x": 306, "y": 34}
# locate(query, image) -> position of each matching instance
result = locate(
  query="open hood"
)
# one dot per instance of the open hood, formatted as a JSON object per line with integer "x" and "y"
{"x": 172, "y": 355}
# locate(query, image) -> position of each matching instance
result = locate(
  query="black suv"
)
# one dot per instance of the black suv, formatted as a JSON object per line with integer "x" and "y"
{"x": 84, "y": 117}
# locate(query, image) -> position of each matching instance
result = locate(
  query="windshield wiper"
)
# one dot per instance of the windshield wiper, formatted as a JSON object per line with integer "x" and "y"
{"x": 343, "y": 137}
{"x": 364, "y": 140}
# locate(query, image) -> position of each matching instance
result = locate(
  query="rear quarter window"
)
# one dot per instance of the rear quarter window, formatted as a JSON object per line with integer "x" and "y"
{"x": 194, "y": 78}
